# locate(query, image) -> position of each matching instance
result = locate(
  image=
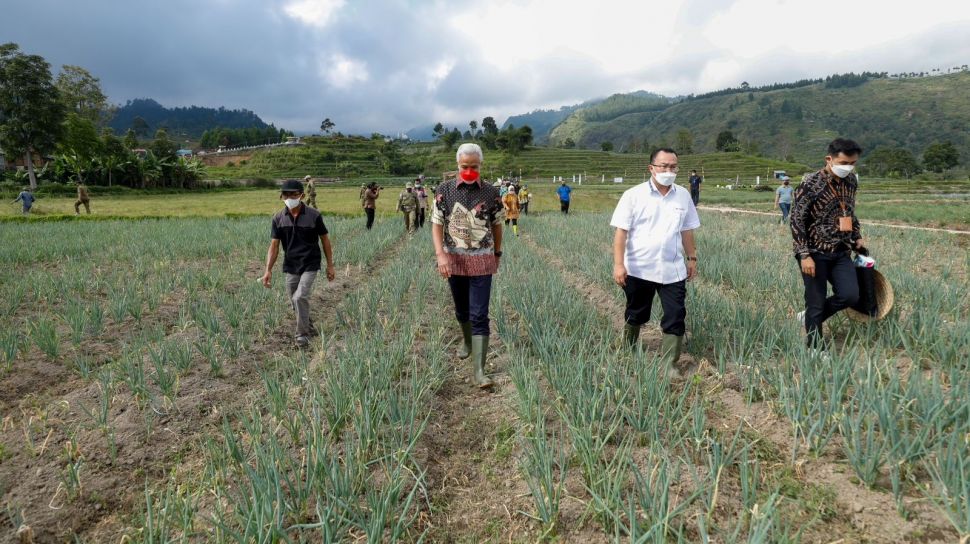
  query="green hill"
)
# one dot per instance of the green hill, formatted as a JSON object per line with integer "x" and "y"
{"x": 792, "y": 123}
{"x": 355, "y": 157}
{"x": 189, "y": 122}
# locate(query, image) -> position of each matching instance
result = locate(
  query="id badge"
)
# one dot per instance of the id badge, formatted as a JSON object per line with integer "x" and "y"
{"x": 845, "y": 224}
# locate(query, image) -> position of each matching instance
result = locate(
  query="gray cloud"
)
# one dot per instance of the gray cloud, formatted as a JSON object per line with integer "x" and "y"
{"x": 248, "y": 54}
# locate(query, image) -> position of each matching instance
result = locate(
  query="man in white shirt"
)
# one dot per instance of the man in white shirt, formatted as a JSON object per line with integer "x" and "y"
{"x": 655, "y": 224}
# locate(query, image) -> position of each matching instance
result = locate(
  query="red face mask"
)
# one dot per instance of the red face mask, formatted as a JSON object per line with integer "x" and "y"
{"x": 468, "y": 175}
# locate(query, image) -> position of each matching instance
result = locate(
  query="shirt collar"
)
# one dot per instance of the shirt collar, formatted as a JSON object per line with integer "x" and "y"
{"x": 654, "y": 190}
{"x": 459, "y": 182}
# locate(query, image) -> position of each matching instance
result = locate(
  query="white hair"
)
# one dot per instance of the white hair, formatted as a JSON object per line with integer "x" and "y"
{"x": 469, "y": 149}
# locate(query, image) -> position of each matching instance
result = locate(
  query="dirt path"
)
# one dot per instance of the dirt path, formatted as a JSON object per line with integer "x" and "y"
{"x": 471, "y": 445}
{"x": 870, "y": 512}
{"x": 723, "y": 209}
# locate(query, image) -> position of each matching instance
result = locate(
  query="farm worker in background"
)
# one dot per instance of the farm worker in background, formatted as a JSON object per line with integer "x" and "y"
{"x": 524, "y": 197}
{"x": 466, "y": 229}
{"x": 27, "y": 199}
{"x": 407, "y": 202}
{"x": 695, "y": 186}
{"x": 311, "y": 192}
{"x": 370, "y": 202}
{"x": 297, "y": 228}
{"x": 565, "y": 192}
{"x": 653, "y": 220}
{"x": 422, "y": 201}
{"x": 825, "y": 230}
{"x": 504, "y": 189}
{"x": 82, "y": 198}
{"x": 783, "y": 198}
{"x": 511, "y": 204}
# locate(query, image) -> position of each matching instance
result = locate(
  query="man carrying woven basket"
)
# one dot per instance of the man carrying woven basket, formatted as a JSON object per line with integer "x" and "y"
{"x": 825, "y": 230}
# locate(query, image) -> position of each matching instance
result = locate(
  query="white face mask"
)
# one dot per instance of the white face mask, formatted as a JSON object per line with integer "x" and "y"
{"x": 842, "y": 170}
{"x": 292, "y": 202}
{"x": 665, "y": 178}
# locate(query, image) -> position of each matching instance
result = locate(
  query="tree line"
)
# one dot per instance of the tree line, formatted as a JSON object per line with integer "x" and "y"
{"x": 510, "y": 139}
{"x": 235, "y": 137}
{"x": 66, "y": 120}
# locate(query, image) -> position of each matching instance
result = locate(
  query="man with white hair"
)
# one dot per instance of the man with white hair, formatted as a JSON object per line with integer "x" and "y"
{"x": 467, "y": 235}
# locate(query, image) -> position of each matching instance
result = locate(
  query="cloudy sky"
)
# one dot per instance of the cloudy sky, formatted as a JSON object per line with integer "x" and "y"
{"x": 390, "y": 65}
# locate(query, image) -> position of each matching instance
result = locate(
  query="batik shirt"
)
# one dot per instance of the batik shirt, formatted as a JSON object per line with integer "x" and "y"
{"x": 815, "y": 213}
{"x": 468, "y": 211}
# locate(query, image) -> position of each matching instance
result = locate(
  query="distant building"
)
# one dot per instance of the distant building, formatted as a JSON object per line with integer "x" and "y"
{"x": 187, "y": 153}
{"x": 140, "y": 153}
{"x": 292, "y": 140}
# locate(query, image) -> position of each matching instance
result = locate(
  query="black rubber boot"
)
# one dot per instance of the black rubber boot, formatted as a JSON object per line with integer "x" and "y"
{"x": 466, "y": 333}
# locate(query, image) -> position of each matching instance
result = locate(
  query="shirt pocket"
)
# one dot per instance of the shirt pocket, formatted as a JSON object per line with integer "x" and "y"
{"x": 673, "y": 220}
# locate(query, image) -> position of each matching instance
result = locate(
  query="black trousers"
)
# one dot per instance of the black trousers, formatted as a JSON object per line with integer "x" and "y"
{"x": 834, "y": 268}
{"x": 514, "y": 221}
{"x": 525, "y": 208}
{"x": 695, "y": 194}
{"x": 370, "y": 217}
{"x": 421, "y": 213}
{"x": 564, "y": 206}
{"x": 673, "y": 298}
{"x": 471, "y": 294}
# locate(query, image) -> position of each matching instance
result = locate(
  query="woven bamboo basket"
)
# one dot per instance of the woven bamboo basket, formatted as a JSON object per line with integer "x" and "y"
{"x": 884, "y": 300}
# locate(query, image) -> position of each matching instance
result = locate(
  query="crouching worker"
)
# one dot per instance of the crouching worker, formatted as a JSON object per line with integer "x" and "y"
{"x": 466, "y": 229}
{"x": 300, "y": 230}
{"x": 653, "y": 222}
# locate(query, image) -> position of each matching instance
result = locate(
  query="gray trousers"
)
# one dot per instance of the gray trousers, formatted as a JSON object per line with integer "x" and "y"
{"x": 298, "y": 287}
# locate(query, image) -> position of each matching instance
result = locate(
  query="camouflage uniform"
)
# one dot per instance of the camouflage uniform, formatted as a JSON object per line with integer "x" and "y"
{"x": 363, "y": 195}
{"x": 311, "y": 193}
{"x": 407, "y": 202}
{"x": 82, "y": 198}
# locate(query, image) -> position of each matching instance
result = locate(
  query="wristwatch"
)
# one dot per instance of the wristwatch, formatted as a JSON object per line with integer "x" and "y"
{"x": 498, "y": 253}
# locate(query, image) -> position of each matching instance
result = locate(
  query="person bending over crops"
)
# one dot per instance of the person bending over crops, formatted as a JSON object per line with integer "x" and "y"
{"x": 26, "y": 198}
{"x": 653, "y": 221}
{"x": 825, "y": 230}
{"x": 297, "y": 228}
{"x": 466, "y": 229}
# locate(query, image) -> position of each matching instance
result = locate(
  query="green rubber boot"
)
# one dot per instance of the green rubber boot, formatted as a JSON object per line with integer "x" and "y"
{"x": 479, "y": 353}
{"x": 670, "y": 352}
{"x": 466, "y": 332}
{"x": 631, "y": 334}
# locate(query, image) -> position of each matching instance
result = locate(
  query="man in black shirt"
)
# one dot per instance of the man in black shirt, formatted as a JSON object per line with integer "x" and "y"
{"x": 825, "y": 230}
{"x": 695, "y": 186}
{"x": 297, "y": 228}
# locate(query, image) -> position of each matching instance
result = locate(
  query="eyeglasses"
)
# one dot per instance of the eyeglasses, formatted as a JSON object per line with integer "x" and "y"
{"x": 668, "y": 167}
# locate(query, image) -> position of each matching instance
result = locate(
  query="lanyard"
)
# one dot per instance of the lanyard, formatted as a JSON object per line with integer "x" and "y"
{"x": 835, "y": 195}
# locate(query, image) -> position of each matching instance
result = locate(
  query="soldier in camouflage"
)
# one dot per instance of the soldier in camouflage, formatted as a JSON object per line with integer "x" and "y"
{"x": 407, "y": 203}
{"x": 82, "y": 198}
{"x": 311, "y": 192}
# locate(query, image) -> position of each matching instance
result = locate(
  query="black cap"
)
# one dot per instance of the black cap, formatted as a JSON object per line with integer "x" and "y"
{"x": 291, "y": 185}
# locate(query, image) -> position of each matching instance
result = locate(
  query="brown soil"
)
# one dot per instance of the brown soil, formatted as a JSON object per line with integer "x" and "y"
{"x": 866, "y": 515}
{"x": 44, "y": 400}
